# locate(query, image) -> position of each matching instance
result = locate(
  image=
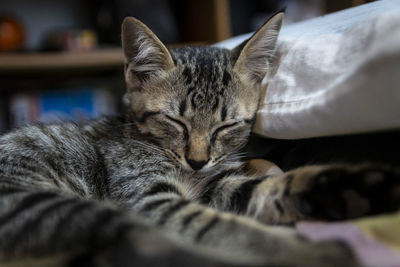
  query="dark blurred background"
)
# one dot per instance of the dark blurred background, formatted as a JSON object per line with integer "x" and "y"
{"x": 62, "y": 59}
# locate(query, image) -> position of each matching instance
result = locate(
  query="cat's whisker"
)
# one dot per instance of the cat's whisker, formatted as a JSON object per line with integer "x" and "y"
{"x": 238, "y": 155}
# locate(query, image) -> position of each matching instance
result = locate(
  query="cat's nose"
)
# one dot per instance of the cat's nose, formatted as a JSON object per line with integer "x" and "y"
{"x": 196, "y": 165}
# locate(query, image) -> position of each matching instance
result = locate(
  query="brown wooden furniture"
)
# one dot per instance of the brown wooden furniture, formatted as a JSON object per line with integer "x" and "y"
{"x": 206, "y": 22}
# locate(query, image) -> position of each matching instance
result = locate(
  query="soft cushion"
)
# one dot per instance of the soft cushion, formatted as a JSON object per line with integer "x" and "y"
{"x": 336, "y": 74}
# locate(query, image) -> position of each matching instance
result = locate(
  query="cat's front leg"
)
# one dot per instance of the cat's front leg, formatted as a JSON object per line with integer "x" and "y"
{"x": 332, "y": 192}
{"x": 339, "y": 192}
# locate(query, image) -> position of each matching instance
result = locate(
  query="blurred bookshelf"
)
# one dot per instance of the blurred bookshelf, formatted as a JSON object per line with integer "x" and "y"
{"x": 41, "y": 84}
{"x": 34, "y": 74}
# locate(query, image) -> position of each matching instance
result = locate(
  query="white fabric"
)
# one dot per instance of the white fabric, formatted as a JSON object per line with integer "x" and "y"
{"x": 336, "y": 74}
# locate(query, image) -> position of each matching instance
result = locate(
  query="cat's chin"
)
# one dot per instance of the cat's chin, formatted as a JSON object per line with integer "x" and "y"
{"x": 208, "y": 168}
{"x": 202, "y": 171}
{"x": 208, "y": 172}
{"x": 202, "y": 174}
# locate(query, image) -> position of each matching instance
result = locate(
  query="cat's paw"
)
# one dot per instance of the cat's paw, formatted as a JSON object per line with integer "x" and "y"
{"x": 342, "y": 192}
{"x": 261, "y": 167}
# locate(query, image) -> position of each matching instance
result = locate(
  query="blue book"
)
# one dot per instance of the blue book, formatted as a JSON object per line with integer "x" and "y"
{"x": 77, "y": 105}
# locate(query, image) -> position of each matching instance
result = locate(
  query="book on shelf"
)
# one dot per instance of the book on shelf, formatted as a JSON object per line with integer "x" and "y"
{"x": 49, "y": 106}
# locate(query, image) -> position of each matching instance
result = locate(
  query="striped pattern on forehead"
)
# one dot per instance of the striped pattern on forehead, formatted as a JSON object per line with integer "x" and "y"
{"x": 206, "y": 74}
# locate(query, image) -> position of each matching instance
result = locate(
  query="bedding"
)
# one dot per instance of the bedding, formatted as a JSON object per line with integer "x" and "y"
{"x": 375, "y": 240}
{"x": 336, "y": 74}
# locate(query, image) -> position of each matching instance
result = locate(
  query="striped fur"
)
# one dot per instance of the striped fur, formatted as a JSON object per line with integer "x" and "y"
{"x": 162, "y": 185}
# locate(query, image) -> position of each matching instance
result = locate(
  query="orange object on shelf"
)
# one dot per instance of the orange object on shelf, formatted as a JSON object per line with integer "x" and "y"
{"x": 11, "y": 34}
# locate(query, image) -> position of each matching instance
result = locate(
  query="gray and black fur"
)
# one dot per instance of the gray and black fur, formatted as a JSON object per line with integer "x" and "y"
{"x": 163, "y": 185}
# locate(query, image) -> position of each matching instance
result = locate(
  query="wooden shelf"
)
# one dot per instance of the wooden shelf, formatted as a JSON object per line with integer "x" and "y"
{"x": 53, "y": 61}
{"x": 59, "y": 61}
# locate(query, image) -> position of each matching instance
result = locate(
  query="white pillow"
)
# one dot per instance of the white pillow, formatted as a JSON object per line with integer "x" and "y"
{"x": 336, "y": 74}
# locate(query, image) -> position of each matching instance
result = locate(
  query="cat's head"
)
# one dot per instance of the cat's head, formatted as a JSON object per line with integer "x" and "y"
{"x": 199, "y": 103}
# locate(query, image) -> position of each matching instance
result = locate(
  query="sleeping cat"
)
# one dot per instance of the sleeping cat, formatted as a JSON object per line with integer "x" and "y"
{"x": 163, "y": 185}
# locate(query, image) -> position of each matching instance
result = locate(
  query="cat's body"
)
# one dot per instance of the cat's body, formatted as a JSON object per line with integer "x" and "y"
{"x": 162, "y": 186}
{"x": 135, "y": 176}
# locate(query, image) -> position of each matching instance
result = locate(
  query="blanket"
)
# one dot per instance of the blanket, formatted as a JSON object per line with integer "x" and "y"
{"x": 375, "y": 240}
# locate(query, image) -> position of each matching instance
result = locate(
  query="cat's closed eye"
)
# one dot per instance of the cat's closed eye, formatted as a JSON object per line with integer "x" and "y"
{"x": 221, "y": 129}
{"x": 180, "y": 124}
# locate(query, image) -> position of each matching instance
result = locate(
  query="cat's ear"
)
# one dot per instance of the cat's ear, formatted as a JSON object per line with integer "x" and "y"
{"x": 253, "y": 57}
{"x": 145, "y": 54}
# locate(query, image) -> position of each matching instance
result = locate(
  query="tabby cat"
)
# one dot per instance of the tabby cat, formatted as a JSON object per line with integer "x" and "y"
{"x": 163, "y": 185}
